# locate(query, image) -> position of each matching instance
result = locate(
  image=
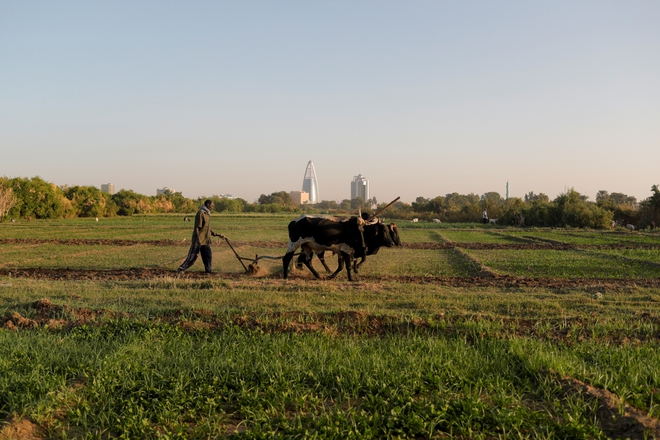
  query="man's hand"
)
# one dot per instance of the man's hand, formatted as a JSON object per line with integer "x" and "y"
{"x": 218, "y": 235}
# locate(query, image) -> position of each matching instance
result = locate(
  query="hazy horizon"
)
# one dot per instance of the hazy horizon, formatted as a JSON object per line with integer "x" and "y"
{"x": 423, "y": 98}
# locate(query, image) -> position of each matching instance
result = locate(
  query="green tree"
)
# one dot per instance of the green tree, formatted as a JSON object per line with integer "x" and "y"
{"x": 650, "y": 209}
{"x": 623, "y": 207}
{"x": 421, "y": 204}
{"x": 531, "y": 197}
{"x": 86, "y": 201}
{"x": 327, "y": 205}
{"x": 223, "y": 204}
{"x": 492, "y": 202}
{"x": 129, "y": 202}
{"x": 512, "y": 212}
{"x": 357, "y": 203}
{"x": 37, "y": 198}
{"x": 536, "y": 210}
{"x": 7, "y": 197}
{"x": 279, "y": 197}
{"x": 572, "y": 209}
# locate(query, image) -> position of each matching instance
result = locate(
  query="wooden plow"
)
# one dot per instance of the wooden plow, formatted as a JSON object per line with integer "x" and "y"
{"x": 252, "y": 268}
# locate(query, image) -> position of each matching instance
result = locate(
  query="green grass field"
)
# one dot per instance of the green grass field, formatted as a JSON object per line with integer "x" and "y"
{"x": 463, "y": 332}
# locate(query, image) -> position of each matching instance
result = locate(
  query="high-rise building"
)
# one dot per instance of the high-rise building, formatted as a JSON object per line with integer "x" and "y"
{"x": 310, "y": 185}
{"x": 108, "y": 188}
{"x": 164, "y": 190}
{"x": 299, "y": 197}
{"x": 360, "y": 188}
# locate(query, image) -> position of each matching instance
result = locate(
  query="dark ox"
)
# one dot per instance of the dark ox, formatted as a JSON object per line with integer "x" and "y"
{"x": 375, "y": 236}
{"x": 349, "y": 239}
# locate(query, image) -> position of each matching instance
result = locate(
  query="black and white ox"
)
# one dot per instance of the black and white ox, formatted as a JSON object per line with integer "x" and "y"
{"x": 347, "y": 238}
{"x": 376, "y": 235}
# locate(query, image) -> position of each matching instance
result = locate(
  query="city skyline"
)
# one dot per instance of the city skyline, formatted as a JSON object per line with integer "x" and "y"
{"x": 426, "y": 98}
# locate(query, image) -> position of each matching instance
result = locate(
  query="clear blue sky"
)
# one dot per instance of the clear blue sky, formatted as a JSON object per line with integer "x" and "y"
{"x": 423, "y": 98}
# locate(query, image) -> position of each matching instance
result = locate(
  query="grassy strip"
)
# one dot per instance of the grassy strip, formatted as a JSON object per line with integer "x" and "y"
{"x": 562, "y": 264}
{"x": 158, "y": 296}
{"x": 136, "y": 379}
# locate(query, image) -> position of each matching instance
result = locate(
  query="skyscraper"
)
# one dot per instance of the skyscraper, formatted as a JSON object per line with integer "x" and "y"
{"x": 360, "y": 188}
{"x": 108, "y": 188}
{"x": 310, "y": 185}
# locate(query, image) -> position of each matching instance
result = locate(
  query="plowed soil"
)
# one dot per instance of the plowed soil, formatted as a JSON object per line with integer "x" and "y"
{"x": 282, "y": 245}
{"x": 488, "y": 280}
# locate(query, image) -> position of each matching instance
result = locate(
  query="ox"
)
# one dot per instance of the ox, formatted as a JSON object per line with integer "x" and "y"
{"x": 316, "y": 234}
{"x": 375, "y": 236}
{"x": 346, "y": 238}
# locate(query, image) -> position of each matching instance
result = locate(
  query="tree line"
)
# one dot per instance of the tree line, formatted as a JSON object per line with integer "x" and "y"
{"x": 36, "y": 198}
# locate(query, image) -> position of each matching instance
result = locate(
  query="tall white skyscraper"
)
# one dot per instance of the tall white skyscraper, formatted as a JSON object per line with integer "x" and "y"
{"x": 108, "y": 188}
{"x": 360, "y": 188}
{"x": 310, "y": 184}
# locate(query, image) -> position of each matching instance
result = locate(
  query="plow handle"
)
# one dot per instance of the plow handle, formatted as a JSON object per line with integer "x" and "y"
{"x": 237, "y": 256}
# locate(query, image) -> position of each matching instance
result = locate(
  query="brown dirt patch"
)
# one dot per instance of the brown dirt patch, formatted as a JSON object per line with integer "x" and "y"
{"x": 22, "y": 429}
{"x": 55, "y": 316}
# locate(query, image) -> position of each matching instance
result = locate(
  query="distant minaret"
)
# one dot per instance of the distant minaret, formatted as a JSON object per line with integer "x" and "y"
{"x": 507, "y": 190}
{"x": 310, "y": 185}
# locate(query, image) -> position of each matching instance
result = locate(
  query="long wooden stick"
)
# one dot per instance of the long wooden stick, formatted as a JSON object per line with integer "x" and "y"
{"x": 236, "y": 253}
{"x": 383, "y": 209}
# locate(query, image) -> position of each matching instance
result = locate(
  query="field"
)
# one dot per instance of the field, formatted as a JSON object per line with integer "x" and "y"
{"x": 465, "y": 331}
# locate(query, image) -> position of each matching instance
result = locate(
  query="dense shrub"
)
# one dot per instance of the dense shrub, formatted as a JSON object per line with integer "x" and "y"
{"x": 89, "y": 201}
{"x": 37, "y": 198}
{"x": 649, "y": 212}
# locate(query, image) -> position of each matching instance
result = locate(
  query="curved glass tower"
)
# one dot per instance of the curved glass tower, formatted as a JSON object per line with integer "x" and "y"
{"x": 310, "y": 185}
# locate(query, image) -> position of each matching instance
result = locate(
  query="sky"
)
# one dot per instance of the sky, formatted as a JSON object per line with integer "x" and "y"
{"x": 423, "y": 98}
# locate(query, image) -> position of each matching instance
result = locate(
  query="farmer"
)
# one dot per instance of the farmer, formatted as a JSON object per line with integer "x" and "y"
{"x": 484, "y": 216}
{"x": 201, "y": 239}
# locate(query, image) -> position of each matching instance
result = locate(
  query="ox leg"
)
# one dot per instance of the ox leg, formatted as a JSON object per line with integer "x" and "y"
{"x": 286, "y": 261}
{"x": 321, "y": 256}
{"x": 301, "y": 260}
{"x": 357, "y": 265}
{"x": 347, "y": 260}
{"x": 308, "y": 263}
{"x": 340, "y": 266}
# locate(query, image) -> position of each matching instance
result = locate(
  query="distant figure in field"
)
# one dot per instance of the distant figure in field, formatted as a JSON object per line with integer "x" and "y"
{"x": 201, "y": 239}
{"x": 484, "y": 217}
{"x": 652, "y": 225}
